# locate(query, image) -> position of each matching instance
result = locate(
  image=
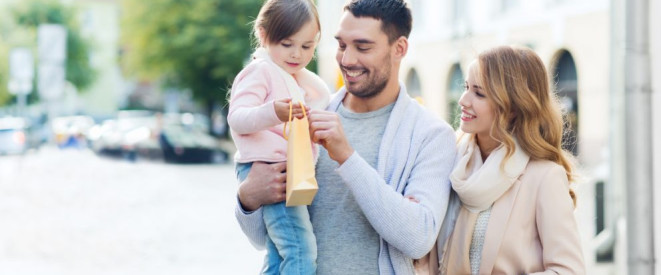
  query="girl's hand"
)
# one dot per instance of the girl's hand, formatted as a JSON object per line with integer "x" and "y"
{"x": 282, "y": 109}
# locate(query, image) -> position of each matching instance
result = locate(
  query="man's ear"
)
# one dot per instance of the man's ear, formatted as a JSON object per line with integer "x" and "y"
{"x": 400, "y": 47}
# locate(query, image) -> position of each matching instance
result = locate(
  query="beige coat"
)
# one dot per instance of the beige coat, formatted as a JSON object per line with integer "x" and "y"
{"x": 531, "y": 229}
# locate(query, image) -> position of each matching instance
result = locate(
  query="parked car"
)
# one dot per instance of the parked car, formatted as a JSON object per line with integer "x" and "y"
{"x": 185, "y": 144}
{"x": 72, "y": 131}
{"x": 126, "y": 136}
{"x": 17, "y": 135}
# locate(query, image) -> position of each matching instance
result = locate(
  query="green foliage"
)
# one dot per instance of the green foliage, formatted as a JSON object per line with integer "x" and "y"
{"x": 6, "y": 34}
{"x": 195, "y": 44}
{"x": 5, "y": 96}
{"x": 35, "y": 12}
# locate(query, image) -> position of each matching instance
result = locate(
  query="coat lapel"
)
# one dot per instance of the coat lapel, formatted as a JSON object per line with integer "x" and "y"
{"x": 456, "y": 256}
{"x": 498, "y": 222}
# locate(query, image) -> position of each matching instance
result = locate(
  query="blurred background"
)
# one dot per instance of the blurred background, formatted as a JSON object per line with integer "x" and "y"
{"x": 115, "y": 156}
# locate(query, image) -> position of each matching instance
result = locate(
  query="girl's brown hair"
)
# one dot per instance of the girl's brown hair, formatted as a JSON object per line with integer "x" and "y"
{"x": 526, "y": 108}
{"x": 279, "y": 19}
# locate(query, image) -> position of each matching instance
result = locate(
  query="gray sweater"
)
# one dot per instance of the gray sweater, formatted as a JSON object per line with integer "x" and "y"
{"x": 416, "y": 156}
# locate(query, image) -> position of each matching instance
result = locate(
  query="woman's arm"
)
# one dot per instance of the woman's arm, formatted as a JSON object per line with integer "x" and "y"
{"x": 558, "y": 231}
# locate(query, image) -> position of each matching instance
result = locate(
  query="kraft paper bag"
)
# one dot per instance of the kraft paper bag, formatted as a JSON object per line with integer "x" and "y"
{"x": 301, "y": 182}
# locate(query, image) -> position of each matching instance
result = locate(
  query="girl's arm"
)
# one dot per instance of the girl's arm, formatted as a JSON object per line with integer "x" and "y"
{"x": 249, "y": 111}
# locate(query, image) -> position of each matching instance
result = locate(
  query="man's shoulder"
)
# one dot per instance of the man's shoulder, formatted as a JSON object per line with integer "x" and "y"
{"x": 425, "y": 119}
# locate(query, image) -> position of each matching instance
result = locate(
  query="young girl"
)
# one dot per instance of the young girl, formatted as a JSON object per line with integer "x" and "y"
{"x": 287, "y": 31}
{"x": 512, "y": 175}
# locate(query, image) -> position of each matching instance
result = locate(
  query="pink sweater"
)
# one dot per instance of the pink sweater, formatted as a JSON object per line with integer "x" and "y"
{"x": 255, "y": 128}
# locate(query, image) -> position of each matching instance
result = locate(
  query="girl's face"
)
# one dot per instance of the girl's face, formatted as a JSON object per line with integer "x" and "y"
{"x": 477, "y": 114}
{"x": 295, "y": 52}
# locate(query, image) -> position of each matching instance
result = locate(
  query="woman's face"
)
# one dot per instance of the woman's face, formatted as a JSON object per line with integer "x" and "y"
{"x": 477, "y": 114}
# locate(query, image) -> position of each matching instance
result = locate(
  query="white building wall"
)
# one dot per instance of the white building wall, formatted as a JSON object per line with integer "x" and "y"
{"x": 655, "y": 49}
{"x": 99, "y": 21}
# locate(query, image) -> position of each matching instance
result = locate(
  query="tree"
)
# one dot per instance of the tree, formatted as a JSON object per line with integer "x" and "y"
{"x": 36, "y": 12}
{"x": 196, "y": 44}
{"x": 5, "y": 96}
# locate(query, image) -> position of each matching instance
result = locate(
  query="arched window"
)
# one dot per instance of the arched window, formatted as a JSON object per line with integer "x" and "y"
{"x": 455, "y": 89}
{"x": 413, "y": 85}
{"x": 566, "y": 80}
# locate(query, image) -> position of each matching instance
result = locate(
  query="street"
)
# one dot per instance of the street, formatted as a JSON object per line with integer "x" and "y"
{"x": 73, "y": 212}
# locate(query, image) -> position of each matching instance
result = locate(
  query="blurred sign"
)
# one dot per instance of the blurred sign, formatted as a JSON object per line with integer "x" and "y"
{"x": 52, "y": 44}
{"x": 21, "y": 71}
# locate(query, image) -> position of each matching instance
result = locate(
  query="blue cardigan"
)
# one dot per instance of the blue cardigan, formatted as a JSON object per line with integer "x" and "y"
{"x": 416, "y": 156}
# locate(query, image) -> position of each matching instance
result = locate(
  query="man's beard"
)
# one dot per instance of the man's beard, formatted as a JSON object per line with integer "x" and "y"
{"x": 374, "y": 86}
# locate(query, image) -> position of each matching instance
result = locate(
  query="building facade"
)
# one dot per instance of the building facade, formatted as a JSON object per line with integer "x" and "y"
{"x": 582, "y": 43}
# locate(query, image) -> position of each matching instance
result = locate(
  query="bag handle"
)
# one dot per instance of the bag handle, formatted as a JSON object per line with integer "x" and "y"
{"x": 291, "y": 118}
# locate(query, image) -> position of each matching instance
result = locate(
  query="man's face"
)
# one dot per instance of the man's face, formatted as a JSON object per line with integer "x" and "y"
{"x": 364, "y": 55}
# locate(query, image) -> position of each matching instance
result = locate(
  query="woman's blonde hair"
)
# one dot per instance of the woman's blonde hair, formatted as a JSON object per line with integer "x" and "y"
{"x": 520, "y": 92}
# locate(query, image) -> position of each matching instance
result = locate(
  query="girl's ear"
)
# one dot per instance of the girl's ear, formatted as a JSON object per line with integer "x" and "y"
{"x": 261, "y": 35}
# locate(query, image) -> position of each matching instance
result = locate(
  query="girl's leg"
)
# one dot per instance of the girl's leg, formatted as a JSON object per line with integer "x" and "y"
{"x": 272, "y": 260}
{"x": 291, "y": 231}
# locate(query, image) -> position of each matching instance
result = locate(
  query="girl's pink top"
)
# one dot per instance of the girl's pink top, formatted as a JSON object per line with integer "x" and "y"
{"x": 255, "y": 128}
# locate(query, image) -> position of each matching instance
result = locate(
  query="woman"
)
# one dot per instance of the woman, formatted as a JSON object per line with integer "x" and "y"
{"x": 512, "y": 176}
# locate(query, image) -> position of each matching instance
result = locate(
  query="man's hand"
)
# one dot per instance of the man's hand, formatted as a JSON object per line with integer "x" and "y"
{"x": 326, "y": 129}
{"x": 265, "y": 184}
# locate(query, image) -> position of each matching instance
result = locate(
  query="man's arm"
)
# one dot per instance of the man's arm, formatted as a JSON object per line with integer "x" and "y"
{"x": 265, "y": 184}
{"x": 410, "y": 227}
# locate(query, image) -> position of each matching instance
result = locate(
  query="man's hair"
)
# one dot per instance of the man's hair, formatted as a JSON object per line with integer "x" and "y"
{"x": 283, "y": 18}
{"x": 395, "y": 15}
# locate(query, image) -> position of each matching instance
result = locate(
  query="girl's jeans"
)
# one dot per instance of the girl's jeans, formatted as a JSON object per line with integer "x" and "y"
{"x": 291, "y": 247}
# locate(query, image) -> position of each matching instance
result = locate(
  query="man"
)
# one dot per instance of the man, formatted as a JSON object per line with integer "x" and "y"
{"x": 384, "y": 166}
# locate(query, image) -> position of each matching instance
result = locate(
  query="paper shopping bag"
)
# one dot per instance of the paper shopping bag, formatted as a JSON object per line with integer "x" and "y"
{"x": 301, "y": 182}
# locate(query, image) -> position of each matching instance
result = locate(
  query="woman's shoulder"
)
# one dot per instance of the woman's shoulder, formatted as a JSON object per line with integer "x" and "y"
{"x": 426, "y": 120}
{"x": 543, "y": 166}
{"x": 539, "y": 172}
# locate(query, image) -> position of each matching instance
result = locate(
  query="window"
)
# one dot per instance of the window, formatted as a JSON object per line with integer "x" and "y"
{"x": 413, "y": 85}
{"x": 564, "y": 75}
{"x": 455, "y": 89}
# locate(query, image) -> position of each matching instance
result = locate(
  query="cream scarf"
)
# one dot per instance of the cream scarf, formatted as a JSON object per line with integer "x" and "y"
{"x": 480, "y": 184}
